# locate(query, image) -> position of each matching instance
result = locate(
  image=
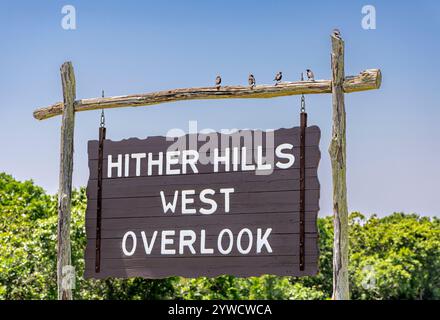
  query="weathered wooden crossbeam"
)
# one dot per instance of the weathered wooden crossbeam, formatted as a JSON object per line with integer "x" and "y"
{"x": 366, "y": 80}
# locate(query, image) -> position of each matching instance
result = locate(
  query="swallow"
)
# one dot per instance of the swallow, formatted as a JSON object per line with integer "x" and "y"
{"x": 251, "y": 80}
{"x": 218, "y": 81}
{"x": 310, "y": 75}
{"x": 337, "y": 33}
{"x": 278, "y": 77}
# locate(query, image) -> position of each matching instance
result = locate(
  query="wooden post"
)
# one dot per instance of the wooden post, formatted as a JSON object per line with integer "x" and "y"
{"x": 65, "y": 183}
{"x": 337, "y": 152}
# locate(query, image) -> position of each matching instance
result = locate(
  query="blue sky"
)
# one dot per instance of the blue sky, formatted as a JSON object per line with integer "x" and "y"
{"x": 127, "y": 47}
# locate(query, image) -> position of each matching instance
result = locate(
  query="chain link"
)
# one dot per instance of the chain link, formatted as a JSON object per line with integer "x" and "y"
{"x": 303, "y": 104}
{"x": 102, "y": 122}
{"x": 303, "y": 99}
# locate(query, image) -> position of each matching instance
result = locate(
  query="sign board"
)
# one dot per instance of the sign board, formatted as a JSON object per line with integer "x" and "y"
{"x": 204, "y": 205}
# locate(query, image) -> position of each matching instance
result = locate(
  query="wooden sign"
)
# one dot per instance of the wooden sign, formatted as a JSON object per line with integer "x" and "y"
{"x": 203, "y": 205}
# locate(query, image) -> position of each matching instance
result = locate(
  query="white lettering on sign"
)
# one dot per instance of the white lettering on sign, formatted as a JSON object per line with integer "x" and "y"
{"x": 260, "y": 164}
{"x": 148, "y": 247}
{"x": 290, "y": 157}
{"x": 226, "y": 192}
{"x": 172, "y": 159}
{"x": 187, "y": 201}
{"x": 165, "y": 241}
{"x": 127, "y": 165}
{"x": 132, "y": 235}
{"x": 187, "y": 161}
{"x": 168, "y": 205}
{"x": 117, "y": 165}
{"x": 203, "y": 249}
{"x": 190, "y": 157}
{"x": 239, "y": 238}
{"x": 220, "y": 238}
{"x": 185, "y": 241}
{"x": 221, "y": 159}
{"x": 244, "y": 162}
{"x": 206, "y": 201}
{"x": 156, "y": 162}
{"x": 138, "y": 157}
{"x": 263, "y": 240}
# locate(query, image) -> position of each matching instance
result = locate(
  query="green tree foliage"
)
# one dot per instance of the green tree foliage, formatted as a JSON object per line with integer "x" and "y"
{"x": 395, "y": 257}
{"x": 28, "y": 227}
{"x": 24, "y": 212}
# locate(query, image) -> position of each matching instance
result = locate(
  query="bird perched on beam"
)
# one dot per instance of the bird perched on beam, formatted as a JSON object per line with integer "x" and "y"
{"x": 251, "y": 80}
{"x": 310, "y": 75}
{"x": 218, "y": 81}
{"x": 278, "y": 77}
{"x": 337, "y": 33}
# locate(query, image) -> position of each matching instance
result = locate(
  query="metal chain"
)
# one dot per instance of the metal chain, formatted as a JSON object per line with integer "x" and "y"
{"x": 303, "y": 99}
{"x": 102, "y": 123}
{"x": 303, "y": 104}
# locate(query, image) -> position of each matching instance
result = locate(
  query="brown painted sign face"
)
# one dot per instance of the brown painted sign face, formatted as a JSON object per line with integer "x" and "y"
{"x": 204, "y": 205}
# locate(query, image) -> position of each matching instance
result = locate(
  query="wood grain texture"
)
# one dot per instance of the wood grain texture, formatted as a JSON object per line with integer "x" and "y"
{"x": 157, "y": 268}
{"x": 259, "y": 201}
{"x": 367, "y": 80}
{"x": 65, "y": 178}
{"x": 338, "y": 157}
